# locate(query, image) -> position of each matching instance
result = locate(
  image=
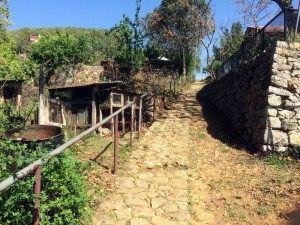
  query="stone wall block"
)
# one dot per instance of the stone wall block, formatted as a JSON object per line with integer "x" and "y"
{"x": 275, "y": 137}
{"x": 280, "y": 59}
{"x": 278, "y": 81}
{"x": 270, "y": 137}
{"x": 286, "y": 114}
{"x": 274, "y": 100}
{"x": 282, "y": 44}
{"x": 278, "y": 91}
{"x": 290, "y": 124}
{"x": 294, "y": 137}
{"x": 293, "y": 98}
{"x": 271, "y": 111}
{"x": 296, "y": 65}
{"x": 294, "y": 84}
{"x": 291, "y": 60}
{"x": 295, "y": 45}
{"x": 288, "y": 104}
{"x": 273, "y": 122}
{"x": 296, "y": 73}
{"x": 280, "y": 67}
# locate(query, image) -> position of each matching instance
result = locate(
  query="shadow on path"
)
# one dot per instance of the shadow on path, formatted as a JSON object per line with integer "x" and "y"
{"x": 293, "y": 217}
{"x": 219, "y": 128}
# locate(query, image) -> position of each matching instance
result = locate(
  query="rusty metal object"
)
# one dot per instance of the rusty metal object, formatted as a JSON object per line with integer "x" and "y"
{"x": 46, "y": 136}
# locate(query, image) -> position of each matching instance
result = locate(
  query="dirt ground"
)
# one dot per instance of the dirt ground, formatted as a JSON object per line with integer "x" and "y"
{"x": 226, "y": 184}
{"x": 229, "y": 185}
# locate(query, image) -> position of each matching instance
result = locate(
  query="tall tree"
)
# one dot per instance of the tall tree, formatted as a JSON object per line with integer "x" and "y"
{"x": 130, "y": 38}
{"x": 54, "y": 51}
{"x": 284, "y": 3}
{"x": 4, "y": 14}
{"x": 177, "y": 27}
{"x": 230, "y": 42}
{"x": 255, "y": 11}
{"x": 11, "y": 66}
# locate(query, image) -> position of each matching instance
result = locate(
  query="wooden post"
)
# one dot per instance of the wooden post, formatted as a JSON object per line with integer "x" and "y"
{"x": 134, "y": 113}
{"x": 94, "y": 109}
{"x": 41, "y": 116}
{"x": 101, "y": 117}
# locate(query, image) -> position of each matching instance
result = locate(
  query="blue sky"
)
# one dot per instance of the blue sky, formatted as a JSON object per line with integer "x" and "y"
{"x": 91, "y": 13}
{"x": 77, "y": 13}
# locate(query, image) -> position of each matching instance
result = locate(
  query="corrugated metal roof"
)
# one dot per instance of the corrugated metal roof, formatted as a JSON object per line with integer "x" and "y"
{"x": 85, "y": 85}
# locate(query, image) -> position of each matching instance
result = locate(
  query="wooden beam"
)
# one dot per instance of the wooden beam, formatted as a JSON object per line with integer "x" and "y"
{"x": 94, "y": 109}
{"x": 101, "y": 117}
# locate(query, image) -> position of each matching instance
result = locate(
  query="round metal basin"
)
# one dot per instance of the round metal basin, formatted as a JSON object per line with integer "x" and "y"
{"x": 47, "y": 136}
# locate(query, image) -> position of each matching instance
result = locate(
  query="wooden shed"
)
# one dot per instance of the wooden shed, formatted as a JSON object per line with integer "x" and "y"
{"x": 85, "y": 105}
{"x": 11, "y": 92}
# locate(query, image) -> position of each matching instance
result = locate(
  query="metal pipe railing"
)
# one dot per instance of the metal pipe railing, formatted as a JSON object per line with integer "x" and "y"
{"x": 35, "y": 165}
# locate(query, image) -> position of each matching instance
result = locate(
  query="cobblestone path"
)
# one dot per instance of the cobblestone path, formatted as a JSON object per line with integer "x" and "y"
{"x": 154, "y": 188}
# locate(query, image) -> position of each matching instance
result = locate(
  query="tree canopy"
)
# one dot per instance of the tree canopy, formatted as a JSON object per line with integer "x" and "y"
{"x": 176, "y": 28}
{"x": 11, "y": 66}
{"x": 4, "y": 14}
{"x": 53, "y": 51}
{"x": 230, "y": 42}
{"x": 283, "y": 3}
{"x": 130, "y": 38}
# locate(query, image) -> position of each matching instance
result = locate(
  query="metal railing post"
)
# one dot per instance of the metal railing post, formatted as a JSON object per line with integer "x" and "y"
{"x": 131, "y": 125}
{"x": 140, "y": 117}
{"x": 116, "y": 139}
{"x": 37, "y": 192}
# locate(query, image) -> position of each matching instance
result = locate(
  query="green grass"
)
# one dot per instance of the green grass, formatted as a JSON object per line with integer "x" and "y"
{"x": 275, "y": 160}
{"x": 224, "y": 148}
{"x": 262, "y": 210}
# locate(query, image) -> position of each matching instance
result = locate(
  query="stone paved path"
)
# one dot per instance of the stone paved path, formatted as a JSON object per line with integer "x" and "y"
{"x": 154, "y": 187}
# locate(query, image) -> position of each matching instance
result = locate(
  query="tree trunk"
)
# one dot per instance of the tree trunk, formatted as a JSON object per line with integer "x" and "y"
{"x": 183, "y": 63}
{"x": 283, "y": 3}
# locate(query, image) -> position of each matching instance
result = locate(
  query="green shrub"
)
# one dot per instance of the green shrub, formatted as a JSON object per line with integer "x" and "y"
{"x": 64, "y": 198}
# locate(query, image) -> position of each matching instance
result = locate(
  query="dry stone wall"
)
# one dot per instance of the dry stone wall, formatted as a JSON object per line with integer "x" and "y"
{"x": 261, "y": 99}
